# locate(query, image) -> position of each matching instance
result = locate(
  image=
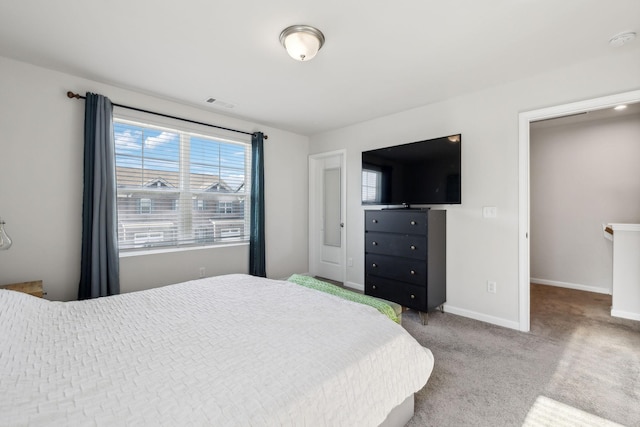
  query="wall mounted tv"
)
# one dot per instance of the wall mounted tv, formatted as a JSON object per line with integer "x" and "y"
{"x": 418, "y": 173}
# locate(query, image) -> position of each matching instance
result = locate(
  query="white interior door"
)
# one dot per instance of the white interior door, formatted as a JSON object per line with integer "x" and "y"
{"x": 326, "y": 216}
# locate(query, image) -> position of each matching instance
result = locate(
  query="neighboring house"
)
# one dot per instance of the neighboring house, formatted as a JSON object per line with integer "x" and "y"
{"x": 149, "y": 208}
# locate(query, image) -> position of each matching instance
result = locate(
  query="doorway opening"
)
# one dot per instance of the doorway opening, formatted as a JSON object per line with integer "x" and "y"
{"x": 525, "y": 120}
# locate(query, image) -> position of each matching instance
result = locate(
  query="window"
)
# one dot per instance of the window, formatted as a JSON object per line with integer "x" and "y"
{"x": 145, "y": 206}
{"x": 230, "y": 232}
{"x": 371, "y": 183}
{"x": 142, "y": 240}
{"x": 175, "y": 187}
{"x": 225, "y": 208}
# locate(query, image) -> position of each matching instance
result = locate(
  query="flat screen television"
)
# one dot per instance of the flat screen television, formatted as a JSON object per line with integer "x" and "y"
{"x": 419, "y": 173}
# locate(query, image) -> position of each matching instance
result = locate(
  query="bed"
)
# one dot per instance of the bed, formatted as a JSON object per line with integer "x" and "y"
{"x": 228, "y": 350}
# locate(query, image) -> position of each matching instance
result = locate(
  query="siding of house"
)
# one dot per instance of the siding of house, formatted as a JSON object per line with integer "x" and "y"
{"x": 149, "y": 209}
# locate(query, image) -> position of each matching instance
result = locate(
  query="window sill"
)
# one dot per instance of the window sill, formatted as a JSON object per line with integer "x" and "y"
{"x": 170, "y": 250}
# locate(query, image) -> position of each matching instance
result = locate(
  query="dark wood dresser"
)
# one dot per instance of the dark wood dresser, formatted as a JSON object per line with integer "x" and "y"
{"x": 405, "y": 257}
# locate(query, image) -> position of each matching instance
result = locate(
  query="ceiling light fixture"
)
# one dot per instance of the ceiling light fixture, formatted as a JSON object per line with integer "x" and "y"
{"x": 302, "y": 42}
{"x": 620, "y": 107}
{"x": 622, "y": 38}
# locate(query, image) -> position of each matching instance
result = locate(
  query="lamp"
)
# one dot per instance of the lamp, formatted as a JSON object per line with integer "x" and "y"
{"x": 302, "y": 42}
{"x": 5, "y": 240}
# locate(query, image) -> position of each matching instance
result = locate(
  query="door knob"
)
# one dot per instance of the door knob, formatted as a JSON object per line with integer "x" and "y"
{"x": 413, "y": 248}
{"x": 374, "y": 265}
{"x": 413, "y": 272}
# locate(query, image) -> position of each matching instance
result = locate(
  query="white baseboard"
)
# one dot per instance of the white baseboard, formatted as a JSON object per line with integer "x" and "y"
{"x": 482, "y": 317}
{"x": 567, "y": 285}
{"x": 354, "y": 285}
{"x": 461, "y": 312}
{"x": 625, "y": 314}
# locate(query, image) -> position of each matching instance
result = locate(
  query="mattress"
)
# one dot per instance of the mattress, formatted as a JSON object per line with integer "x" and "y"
{"x": 229, "y": 350}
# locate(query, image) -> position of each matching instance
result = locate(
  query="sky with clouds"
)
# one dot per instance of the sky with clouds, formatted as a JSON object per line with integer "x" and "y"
{"x": 160, "y": 148}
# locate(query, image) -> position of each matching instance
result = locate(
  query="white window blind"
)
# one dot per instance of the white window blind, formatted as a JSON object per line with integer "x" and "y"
{"x": 371, "y": 183}
{"x": 177, "y": 188}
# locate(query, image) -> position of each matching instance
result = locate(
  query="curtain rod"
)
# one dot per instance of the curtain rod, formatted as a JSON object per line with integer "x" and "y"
{"x": 77, "y": 96}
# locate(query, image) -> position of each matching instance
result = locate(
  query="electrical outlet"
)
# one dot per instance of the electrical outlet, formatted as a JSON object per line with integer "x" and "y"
{"x": 491, "y": 287}
{"x": 202, "y": 272}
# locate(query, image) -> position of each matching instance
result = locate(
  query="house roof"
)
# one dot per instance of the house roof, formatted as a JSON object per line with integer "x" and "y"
{"x": 167, "y": 180}
{"x": 380, "y": 57}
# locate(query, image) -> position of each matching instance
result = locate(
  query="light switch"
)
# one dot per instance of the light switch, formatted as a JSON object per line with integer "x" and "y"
{"x": 489, "y": 212}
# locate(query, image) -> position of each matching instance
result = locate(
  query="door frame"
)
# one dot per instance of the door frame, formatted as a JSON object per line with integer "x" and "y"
{"x": 524, "y": 122}
{"x": 315, "y": 206}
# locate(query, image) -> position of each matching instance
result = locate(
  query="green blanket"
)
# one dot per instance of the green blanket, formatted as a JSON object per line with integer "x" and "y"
{"x": 319, "y": 285}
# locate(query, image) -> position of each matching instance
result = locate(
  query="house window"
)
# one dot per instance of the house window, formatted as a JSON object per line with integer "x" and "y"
{"x": 230, "y": 233}
{"x": 170, "y": 181}
{"x": 145, "y": 206}
{"x": 225, "y": 208}
{"x": 371, "y": 183}
{"x": 147, "y": 239}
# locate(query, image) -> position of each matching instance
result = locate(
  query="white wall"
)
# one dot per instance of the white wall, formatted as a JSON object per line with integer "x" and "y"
{"x": 582, "y": 175}
{"x": 478, "y": 249}
{"x": 41, "y": 133}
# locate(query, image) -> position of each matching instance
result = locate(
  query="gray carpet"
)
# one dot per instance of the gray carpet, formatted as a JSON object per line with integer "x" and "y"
{"x": 575, "y": 354}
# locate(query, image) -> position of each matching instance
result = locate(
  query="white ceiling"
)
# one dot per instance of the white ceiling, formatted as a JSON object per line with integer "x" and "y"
{"x": 380, "y": 56}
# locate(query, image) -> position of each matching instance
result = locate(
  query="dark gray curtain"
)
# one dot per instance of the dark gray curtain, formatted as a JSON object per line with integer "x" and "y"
{"x": 256, "y": 235}
{"x": 100, "y": 269}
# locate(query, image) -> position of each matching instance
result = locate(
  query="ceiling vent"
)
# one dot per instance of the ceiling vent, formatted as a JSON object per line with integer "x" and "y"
{"x": 217, "y": 103}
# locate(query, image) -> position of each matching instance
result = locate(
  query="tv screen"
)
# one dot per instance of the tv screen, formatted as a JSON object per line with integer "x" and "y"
{"x": 419, "y": 173}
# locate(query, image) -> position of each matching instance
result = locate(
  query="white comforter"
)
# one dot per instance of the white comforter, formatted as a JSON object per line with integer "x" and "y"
{"x": 230, "y": 350}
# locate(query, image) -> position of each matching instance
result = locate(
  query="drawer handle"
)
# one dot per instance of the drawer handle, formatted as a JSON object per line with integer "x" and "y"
{"x": 374, "y": 243}
{"x": 413, "y": 223}
{"x": 413, "y": 296}
{"x": 375, "y": 221}
{"x": 413, "y": 272}
{"x": 374, "y": 265}
{"x": 413, "y": 248}
{"x": 373, "y": 287}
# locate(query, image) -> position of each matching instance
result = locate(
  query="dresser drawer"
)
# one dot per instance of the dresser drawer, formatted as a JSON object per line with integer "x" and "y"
{"x": 403, "y": 245}
{"x": 406, "y": 270}
{"x": 396, "y": 221}
{"x": 404, "y": 294}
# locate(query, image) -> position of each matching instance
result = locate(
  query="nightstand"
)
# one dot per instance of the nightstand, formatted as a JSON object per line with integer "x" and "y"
{"x": 32, "y": 288}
